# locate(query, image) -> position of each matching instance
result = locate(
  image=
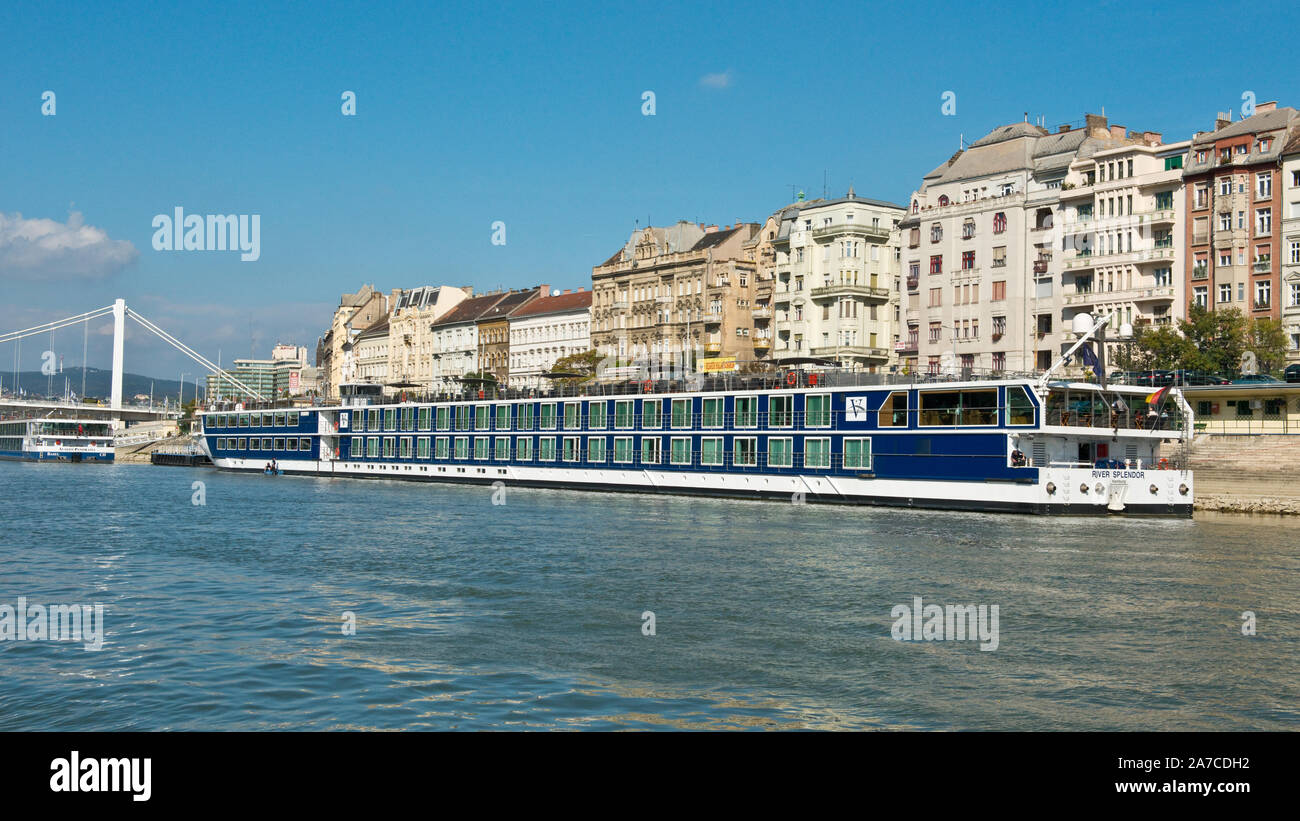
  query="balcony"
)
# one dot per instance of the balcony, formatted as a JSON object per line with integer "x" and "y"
{"x": 1040, "y": 266}
{"x": 850, "y": 350}
{"x": 713, "y": 347}
{"x": 913, "y": 284}
{"x": 761, "y": 313}
{"x": 1263, "y": 266}
{"x": 761, "y": 342}
{"x": 1200, "y": 272}
{"x": 876, "y": 232}
{"x": 712, "y": 318}
{"x": 865, "y": 291}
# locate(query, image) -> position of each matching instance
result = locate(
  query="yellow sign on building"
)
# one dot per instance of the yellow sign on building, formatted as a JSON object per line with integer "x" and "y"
{"x": 718, "y": 364}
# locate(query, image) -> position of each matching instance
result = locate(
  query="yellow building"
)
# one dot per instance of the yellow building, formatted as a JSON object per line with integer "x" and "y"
{"x": 1269, "y": 407}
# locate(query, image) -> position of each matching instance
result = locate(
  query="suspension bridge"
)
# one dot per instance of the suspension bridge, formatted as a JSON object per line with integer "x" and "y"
{"x": 120, "y": 312}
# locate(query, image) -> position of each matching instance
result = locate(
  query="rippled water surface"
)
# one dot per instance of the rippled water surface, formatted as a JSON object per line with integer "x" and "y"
{"x": 471, "y": 615}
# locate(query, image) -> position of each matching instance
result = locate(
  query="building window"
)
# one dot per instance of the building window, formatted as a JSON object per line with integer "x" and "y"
{"x": 999, "y": 290}
{"x": 967, "y": 260}
{"x": 1263, "y": 294}
{"x": 999, "y": 222}
{"x": 1263, "y": 221}
{"x": 936, "y": 297}
{"x": 1264, "y": 184}
{"x": 1200, "y": 295}
{"x": 936, "y": 264}
{"x": 936, "y": 232}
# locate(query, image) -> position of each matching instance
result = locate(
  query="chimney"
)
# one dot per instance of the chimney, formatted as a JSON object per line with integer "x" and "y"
{"x": 1118, "y": 132}
{"x": 1222, "y": 121}
{"x": 1264, "y": 108}
{"x": 1063, "y": 129}
{"x": 1152, "y": 138}
{"x": 711, "y": 229}
{"x": 1097, "y": 125}
{"x": 543, "y": 290}
{"x": 566, "y": 290}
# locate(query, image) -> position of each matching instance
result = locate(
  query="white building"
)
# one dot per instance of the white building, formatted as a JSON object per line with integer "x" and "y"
{"x": 982, "y": 249}
{"x": 546, "y": 330}
{"x": 1123, "y": 226}
{"x": 369, "y": 355}
{"x": 455, "y": 341}
{"x": 1291, "y": 245}
{"x": 836, "y": 287}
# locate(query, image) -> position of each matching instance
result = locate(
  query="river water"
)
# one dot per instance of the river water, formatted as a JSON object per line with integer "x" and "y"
{"x": 529, "y": 614}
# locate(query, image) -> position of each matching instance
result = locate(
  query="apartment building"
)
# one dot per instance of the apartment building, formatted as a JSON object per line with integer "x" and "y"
{"x": 761, "y": 250}
{"x": 494, "y": 332}
{"x": 980, "y": 253}
{"x": 356, "y": 312}
{"x": 1233, "y": 192}
{"x": 835, "y": 292}
{"x": 410, "y": 341}
{"x": 1290, "y": 184}
{"x": 1124, "y": 216}
{"x": 370, "y": 354}
{"x": 546, "y": 330}
{"x": 456, "y": 347}
{"x": 684, "y": 287}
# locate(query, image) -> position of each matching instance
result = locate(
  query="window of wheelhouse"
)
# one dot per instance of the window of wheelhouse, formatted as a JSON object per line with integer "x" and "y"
{"x": 968, "y": 407}
{"x": 1020, "y": 410}
{"x": 893, "y": 411}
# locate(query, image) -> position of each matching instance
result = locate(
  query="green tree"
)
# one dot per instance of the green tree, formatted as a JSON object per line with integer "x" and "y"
{"x": 1268, "y": 341}
{"x": 583, "y": 363}
{"x": 1154, "y": 347}
{"x": 1217, "y": 339}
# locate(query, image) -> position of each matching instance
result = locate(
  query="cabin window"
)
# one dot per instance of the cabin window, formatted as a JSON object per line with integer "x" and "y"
{"x": 746, "y": 451}
{"x": 424, "y": 419}
{"x": 480, "y": 447}
{"x": 596, "y": 415}
{"x": 406, "y": 447}
{"x": 304, "y": 443}
{"x": 893, "y": 411}
{"x": 596, "y": 448}
{"x": 572, "y": 450}
{"x": 442, "y": 448}
{"x": 408, "y": 418}
{"x": 681, "y": 413}
{"x": 623, "y": 414}
{"x": 572, "y": 415}
{"x": 712, "y": 413}
{"x": 462, "y": 417}
{"x": 503, "y": 417}
{"x": 816, "y": 453}
{"x": 243, "y": 420}
{"x": 779, "y": 452}
{"x": 746, "y": 411}
{"x": 502, "y": 444}
{"x": 547, "y": 418}
{"x": 622, "y": 448}
{"x": 390, "y": 419}
{"x": 972, "y": 407}
{"x": 444, "y": 418}
{"x": 390, "y": 447}
{"x": 857, "y": 454}
{"x": 780, "y": 411}
{"x": 293, "y": 419}
{"x": 279, "y": 443}
{"x": 279, "y": 420}
{"x": 221, "y": 443}
{"x": 372, "y": 418}
{"x": 525, "y": 417}
{"x": 651, "y": 414}
{"x": 524, "y": 449}
{"x": 243, "y": 444}
{"x": 681, "y": 450}
{"x": 650, "y": 447}
{"x": 546, "y": 447}
{"x": 711, "y": 451}
{"x": 372, "y": 447}
{"x": 1020, "y": 410}
{"x": 818, "y": 410}
{"x": 422, "y": 447}
{"x": 481, "y": 418}
{"x": 462, "y": 447}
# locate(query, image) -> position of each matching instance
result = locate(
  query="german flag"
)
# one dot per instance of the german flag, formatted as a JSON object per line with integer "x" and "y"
{"x": 1156, "y": 398}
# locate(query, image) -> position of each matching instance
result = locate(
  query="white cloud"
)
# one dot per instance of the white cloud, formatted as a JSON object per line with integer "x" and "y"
{"x": 47, "y": 249}
{"x": 720, "y": 80}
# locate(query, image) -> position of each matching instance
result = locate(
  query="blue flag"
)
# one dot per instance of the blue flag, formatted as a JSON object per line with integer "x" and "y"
{"x": 1089, "y": 358}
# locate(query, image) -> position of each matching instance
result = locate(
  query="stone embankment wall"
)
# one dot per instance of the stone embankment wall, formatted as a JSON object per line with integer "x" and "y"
{"x": 1247, "y": 474}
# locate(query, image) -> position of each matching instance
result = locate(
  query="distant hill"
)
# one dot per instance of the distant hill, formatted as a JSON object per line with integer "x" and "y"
{"x": 99, "y": 384}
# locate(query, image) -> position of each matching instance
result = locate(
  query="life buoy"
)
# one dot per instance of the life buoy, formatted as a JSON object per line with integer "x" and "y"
{"x": 646, "y": 386}
{"x": 1164, "y": 465}
{"x": 792, "y": 379}
{"x": 481, "y": 393}
{"x": 812, "y": 379}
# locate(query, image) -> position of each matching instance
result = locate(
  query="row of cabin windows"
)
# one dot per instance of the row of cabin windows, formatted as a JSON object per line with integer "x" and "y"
{"x": 937, "y": 408}
{"x": 264, "y": 443}
{"x": 856, "y": 454}
{"x": 276, "y": 419}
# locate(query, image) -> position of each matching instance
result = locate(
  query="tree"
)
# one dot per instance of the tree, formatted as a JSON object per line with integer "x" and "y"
{"x": 1154, "y": 347}
{"x": 580, "y": 363}
{"x": 1217, "y": 339}
{"x": 1268, "y": 341}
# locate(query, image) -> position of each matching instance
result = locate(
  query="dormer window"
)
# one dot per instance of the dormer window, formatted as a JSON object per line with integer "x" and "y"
{"x": 943, "y": 200}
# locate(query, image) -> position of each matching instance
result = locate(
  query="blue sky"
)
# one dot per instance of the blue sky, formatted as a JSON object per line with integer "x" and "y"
{"x": 529, "y": 114}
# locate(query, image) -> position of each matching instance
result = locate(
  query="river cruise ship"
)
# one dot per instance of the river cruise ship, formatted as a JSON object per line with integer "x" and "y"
{"x": 56, "y": 440}
{"x": 1007, "y": 445}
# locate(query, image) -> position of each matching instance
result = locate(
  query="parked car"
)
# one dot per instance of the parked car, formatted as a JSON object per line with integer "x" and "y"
{"x": 1154, "y": 379}
{"x": 1292, "y": 373}
{"x": 1183, "y": 377}
{"x": 1257, "y": 379}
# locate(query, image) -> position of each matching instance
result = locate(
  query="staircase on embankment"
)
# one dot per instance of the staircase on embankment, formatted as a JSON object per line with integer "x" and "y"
{"x": 1247, "y": 467}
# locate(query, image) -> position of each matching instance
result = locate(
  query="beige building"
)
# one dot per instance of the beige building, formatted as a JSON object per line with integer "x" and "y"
{"x": 835, "y": 292}
{"x": 685, "y": 287}
{"x": 410, "y": 340}
{"x": 356, "y": 313}
{"x": 761, "y": 250}
{"x": 1123, "y": 217}
{"x": 983, "y": 249}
